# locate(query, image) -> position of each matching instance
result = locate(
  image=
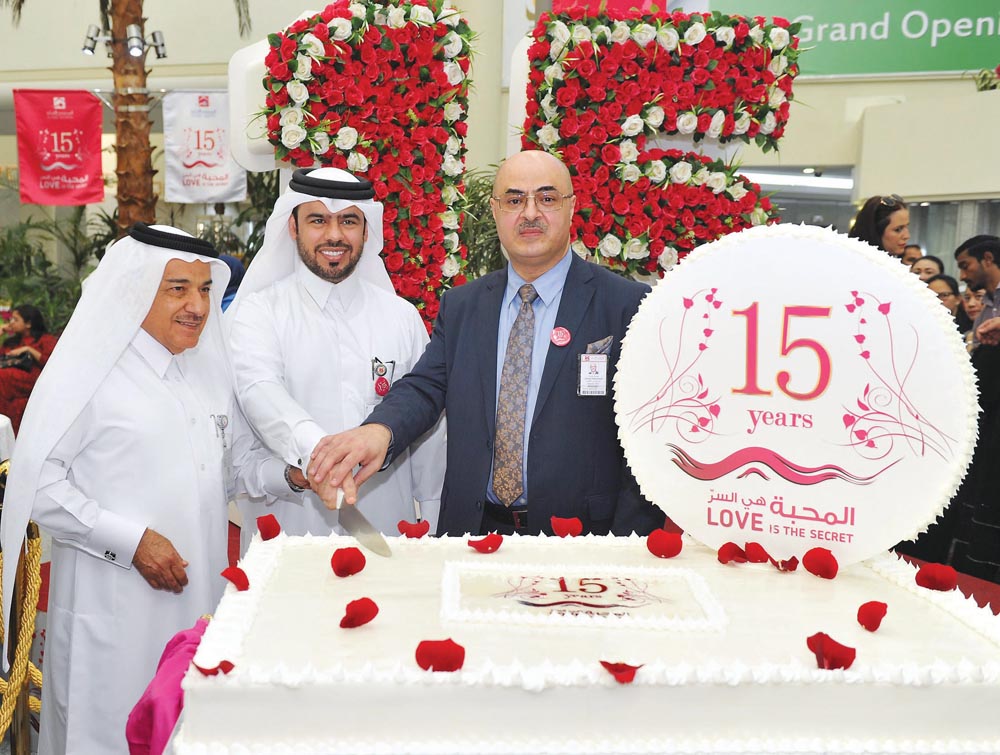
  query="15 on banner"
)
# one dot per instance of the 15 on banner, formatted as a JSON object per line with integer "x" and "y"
{"x": 790, "y": 386}
{"x": 58, "y": 146}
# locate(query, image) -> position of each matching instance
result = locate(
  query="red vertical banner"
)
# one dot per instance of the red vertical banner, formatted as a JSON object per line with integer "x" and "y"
{"x": 58, "y": 146}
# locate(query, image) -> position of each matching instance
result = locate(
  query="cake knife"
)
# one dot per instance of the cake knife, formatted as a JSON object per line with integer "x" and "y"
{"x": 360, "y": 528}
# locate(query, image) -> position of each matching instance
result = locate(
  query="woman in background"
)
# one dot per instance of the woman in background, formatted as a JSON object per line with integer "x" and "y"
{"x": 927, "y": 267}
{"x": 883, "y": 222}
{"x": 29, "y": 345}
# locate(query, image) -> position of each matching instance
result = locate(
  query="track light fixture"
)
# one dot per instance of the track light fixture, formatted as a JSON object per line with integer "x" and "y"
{"x": 134, "y": 42}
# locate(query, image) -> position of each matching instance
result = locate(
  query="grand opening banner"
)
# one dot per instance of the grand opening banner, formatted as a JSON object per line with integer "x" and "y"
{"x": 58, "y": 146}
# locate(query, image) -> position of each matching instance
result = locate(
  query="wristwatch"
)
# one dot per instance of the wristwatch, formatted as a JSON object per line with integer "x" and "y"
{"x": 288, "y": 478}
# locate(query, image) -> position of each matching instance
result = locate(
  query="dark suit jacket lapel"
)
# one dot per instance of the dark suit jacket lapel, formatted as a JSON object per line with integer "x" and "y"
{"x": 577, "y": 293}
{"x": 486, "y": 330}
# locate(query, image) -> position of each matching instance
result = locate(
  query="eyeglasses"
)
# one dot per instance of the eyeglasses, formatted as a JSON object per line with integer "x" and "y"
{"x": 945, "y": 295}
{"x": 893, "y": 200}
{"x": 546, "y": 201}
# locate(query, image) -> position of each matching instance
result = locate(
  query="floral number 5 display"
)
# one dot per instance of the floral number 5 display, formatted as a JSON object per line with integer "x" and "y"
{"x": 380, "y": 89}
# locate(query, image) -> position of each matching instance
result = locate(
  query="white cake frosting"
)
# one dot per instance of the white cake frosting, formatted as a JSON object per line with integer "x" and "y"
{"x": 927, "y": 681}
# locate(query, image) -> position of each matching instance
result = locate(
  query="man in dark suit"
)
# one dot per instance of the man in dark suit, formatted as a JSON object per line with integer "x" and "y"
{"x": 523, "y": 360}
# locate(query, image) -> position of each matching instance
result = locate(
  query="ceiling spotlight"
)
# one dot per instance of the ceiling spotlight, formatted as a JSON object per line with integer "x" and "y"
{"x": 134, "y": 41}
{"x": 808, "y": 171}
{"x": 159, "y": 44}
{"x": 925, "y": 204}
{"x": 90, "y": 40}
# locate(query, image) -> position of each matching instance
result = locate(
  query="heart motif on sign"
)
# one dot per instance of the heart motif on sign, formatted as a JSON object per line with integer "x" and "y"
{"x": 381, "y": 91}
{"x": 602, "y": 87}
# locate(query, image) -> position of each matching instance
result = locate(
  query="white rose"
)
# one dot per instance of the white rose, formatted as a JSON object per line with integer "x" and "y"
{"x": 450, "y": 267}
{"x": 779, "y": 38}
{"x": 380, "y": 17}
{"x": 758, "y": 216}
{"x": 687, "y": 123}
{"x": 726, "y": 35}
{"x": 449, "y": 194}
{"x": 620, "y": 33}
{"x": 695, "y": 33}
{"x": 654, "y": 116}
{"x": 768, "y": 124}
{"x": 777, "y": 98}
{"x": 357, "y": 163}
{"x": 715, "y": 127}
{"x": 553, "y": 72}
{"x": 453, "y": 111}
{"x": 451, "y": 242}
{"x": 320, "y": 142}
{"x": 778, "y": 65}
{"x": 449, "y": 219}
{"x": 632, "y": 125}
{"x": 396, "y": 18}
{"x": 453, "y": 145}
{"x": 560, "y": 36}
{"x": 452, "y": 166}
{"x": 421, "y": 14}
{"x": 667, "y": 38}
{"x": 643, "y": 34}
{"x": 656, "y": 171}
{"x": 631, "y": 173}
{"x": 580, "y": 248}
{"x": 610, "y": 246}
{"x": 292, "y": 116}
{"x": 548, "y": 135}
{"x": 602, "y": 33}
{"x": 340, "y": 29}
{"x": 635, "y": 249}
{"x": 358, "y": 10}
{"x": 717, "y": 182}
{"x": 742, "y": 123}
{"x": 346, "y": 138}
{"x": 298, "y": 91}
{"x": 581, "y": 33}
{"x": 680, "y": 173}
{"x": 757, "y": 34}
{"x": 304, "y": 67}
{"x": 292, "y": 135}
{"x": 549, "y": 106}
{"x": 454, "y": 72}
{"x": 737, "y": 191}
{"x": 452, "y": 45}
{"x": 629, "y": 152}
{"x": 699, "y": 178}
{"x": 449, "y": 15}
{"x": 668, "y": 258}
{"x": 313, "y": 45}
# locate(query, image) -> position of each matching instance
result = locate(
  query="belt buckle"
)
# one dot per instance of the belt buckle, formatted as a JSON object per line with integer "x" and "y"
{"x": 520, "y": 519}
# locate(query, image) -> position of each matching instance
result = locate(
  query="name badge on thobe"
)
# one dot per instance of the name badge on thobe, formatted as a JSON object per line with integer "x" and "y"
{"x": 382, "y": 373}
{"x": 221, "y": 422}
{"x": 592, "y": 377}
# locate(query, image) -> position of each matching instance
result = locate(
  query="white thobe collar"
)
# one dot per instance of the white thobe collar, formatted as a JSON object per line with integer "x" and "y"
{"x": 339, "y": 297}
{"x": 154, "y": 353}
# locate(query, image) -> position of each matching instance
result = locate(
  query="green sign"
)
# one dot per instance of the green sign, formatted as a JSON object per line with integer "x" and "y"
{"x": 869, "y": 37}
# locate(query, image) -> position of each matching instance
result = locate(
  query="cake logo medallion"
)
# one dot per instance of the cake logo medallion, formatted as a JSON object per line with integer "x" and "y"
{"x": 587, "y": 595}
{"x": 810, "y": 409}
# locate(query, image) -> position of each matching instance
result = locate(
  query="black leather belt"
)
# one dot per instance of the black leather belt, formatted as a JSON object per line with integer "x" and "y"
{"x": 515, "y": 516}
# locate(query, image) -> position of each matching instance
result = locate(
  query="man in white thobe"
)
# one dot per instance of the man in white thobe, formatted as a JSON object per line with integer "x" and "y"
{"x": 318, "y": 335}
{"x": 126, "y": 457}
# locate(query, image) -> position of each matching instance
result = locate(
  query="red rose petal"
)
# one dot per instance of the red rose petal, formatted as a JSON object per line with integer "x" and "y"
{"x": 224, "y": 667}
{"x": 870, "y": 614}
{"x": 756, "y": 554}
{"x": 347, "y": 561}
{"x": 268, "y": 527}
{"x": 829, "y": 653}
{"x": 488, "y": 544}
{"x": 732, "y": 553}
{"x": 358, "y": 613}
{"x": 622, "y": 672}
{"x": 937, "y": 577}
{"x": 663, "y": 544}
{"x": 440, "y": 655}
{"x": 237, "y": 576}
{"x": 569, "y": 527}
{"x": 790, "y": 564}
{"x": 413, "y": 530}
{"x": 821, "y": 562}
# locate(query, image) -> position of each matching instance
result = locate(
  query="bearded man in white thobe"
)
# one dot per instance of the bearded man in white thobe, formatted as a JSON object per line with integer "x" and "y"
{"x": 318, "y": 335}
{"x": 126, "y": 456}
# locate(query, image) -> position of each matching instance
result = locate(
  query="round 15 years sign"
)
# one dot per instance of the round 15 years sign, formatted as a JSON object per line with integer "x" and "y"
{"x": 790, "y": 386}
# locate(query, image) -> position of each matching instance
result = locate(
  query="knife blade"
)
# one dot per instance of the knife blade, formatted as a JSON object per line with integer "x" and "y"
{"x": 352, "y": 520}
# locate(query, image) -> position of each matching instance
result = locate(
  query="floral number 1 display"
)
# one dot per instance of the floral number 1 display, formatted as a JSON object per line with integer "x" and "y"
{"x": 381, "y": 90}
{"x": 601, "y": 89}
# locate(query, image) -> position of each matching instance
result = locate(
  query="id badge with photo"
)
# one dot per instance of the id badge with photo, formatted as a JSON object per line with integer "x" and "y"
{"x": 592, "y": 375}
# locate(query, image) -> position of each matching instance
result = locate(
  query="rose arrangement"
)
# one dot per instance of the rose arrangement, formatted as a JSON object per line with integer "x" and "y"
{"x": 602, "y": 88}
{"x": 380, "y": 89}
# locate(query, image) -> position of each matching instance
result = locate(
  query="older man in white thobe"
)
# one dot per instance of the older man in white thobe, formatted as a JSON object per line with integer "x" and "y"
{"x": 318, "y": 335}
{"x": 126, "y": 457}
